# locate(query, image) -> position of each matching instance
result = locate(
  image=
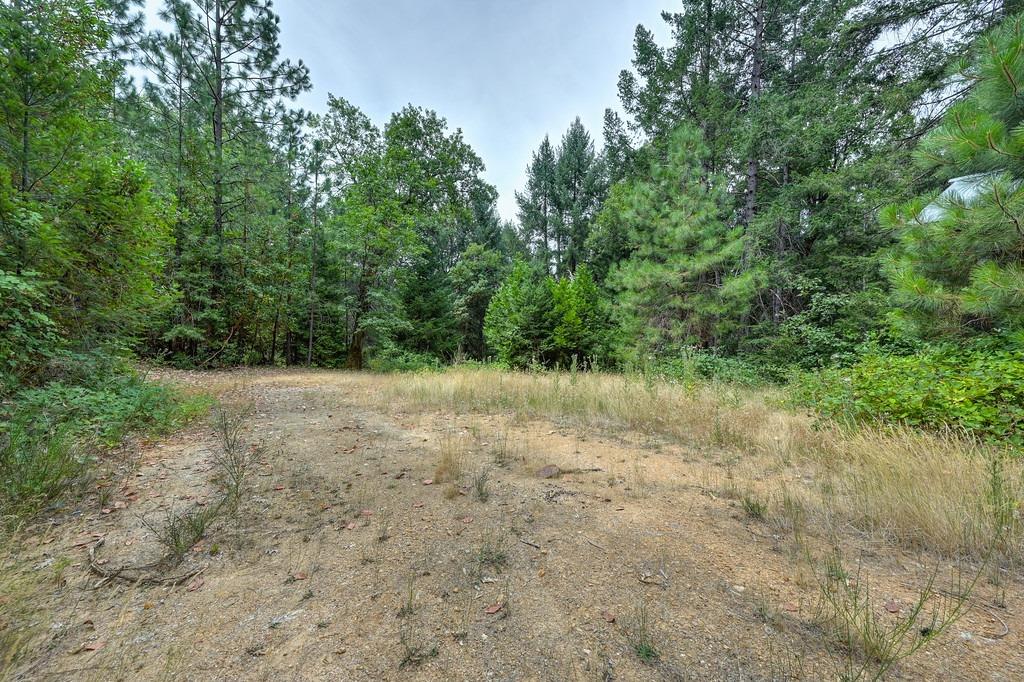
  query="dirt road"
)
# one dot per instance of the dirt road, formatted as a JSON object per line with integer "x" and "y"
{"x": 350, "y": 558}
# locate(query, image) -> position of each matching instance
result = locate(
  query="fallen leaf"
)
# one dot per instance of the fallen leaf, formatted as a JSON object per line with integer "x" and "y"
{"x": 493, "y": 609}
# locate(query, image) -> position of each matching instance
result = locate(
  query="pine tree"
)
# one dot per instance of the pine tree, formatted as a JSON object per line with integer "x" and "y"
{"x": 537, "y": 203}
{"x": 680, "y": 286}
{"x": 579, "y": 191}
{"x": 959, "y": 268}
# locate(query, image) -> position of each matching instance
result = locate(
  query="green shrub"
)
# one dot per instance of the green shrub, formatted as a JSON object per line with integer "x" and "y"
{"x": 691, "y": 365}
{"x": 107, "y": 411}
{"x": 48, "y": 433}
{"x": 391, "y": 359}
{"x": 36, "y": 467}
{"x": 979, "y": 389}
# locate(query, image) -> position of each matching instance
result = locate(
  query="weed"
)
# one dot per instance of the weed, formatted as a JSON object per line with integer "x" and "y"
{"x": 415, "y": 650}
{"x": 235, "y": 459}
{"x": 639, "y": 634}
{"x": 491, "y": 554}
{"x": 36, "y": 467}
{"x": 480, "y": 484}
{"x": 766, "y": 612}
{"x": 409, "y": 605}
{"x": 502, "y": 451}
{"x": 383, "y": 524}
{"x": 450, "y": 465}
{"x": 754, "y": 507}
{"x": 870, "y": 644}
{"x": 180, "y": 531}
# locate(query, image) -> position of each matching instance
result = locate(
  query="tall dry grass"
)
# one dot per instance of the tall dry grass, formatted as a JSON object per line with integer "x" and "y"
{"x": 934, "y": 491}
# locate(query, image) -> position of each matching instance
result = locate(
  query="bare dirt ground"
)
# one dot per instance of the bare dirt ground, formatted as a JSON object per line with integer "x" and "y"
{"x": 349, "y": 559}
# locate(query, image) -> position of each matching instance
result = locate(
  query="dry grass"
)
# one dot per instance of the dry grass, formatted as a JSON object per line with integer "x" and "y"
{"x": 452, "y": 462}
{"x": 935, "y": 491}
{"x": 918, "y": 489}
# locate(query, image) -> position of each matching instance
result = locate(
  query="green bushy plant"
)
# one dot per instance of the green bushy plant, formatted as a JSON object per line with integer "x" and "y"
{"x": 979, "y": 389}
{"x": 692, "y": 365}
{"x": 106, "y": 411}
{"x": 393, "y": 359}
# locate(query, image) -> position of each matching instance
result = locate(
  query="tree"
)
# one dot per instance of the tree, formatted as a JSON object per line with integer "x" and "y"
{"x": 233, "y": 45}
{"x": 537, "y": 202}
{"x": 474, "y": 279}
{"x": 579, "y": 189}
{"x": 517, "y": 325}
{"x": 681, "y": 285}
{"x": 959, "y": 266}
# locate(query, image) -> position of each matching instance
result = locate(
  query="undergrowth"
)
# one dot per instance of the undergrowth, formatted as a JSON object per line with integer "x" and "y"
{"x": 50, "y": 435}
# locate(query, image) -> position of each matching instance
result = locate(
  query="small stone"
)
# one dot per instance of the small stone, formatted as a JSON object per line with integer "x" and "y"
{"x": 550, "y": 471}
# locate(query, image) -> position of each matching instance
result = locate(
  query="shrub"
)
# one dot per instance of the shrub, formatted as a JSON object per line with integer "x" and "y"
{"x": 978, "y": 389}
{"x": 36, "y": 467}
{"x": 392, "y": 359}
{"x": 691, "y": 365}
{"x": 47, "y": 433}
{"x": 106, "y": 411}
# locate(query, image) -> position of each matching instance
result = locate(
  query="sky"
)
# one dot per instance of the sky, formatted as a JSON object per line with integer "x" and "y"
{"x": 506, "y": 72}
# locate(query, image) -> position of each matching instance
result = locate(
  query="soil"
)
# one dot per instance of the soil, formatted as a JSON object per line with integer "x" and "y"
{"x": 350, "y": 559}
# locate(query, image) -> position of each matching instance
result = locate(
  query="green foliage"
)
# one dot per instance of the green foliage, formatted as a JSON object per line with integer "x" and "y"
{"x": 535, "y": 318}
{"x": 697, "y": 366}
{"x": 474, "y": 279}
{"x": 47, "y": 434}
{"x": 679, "y": 286}
{"x": 105, "y": 410}
{"x": 28, "y": 337}
{"x": 36, "y": 467}
{"x": 395, "y": 359}
{"x": 515, "y": 325}
{"x": 959, "y": 269}
{"x": 979, "y": 389}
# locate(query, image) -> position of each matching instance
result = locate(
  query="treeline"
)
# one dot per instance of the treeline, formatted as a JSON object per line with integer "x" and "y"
{"x": 769, "y": 203}
{"x": 740, "y": 206}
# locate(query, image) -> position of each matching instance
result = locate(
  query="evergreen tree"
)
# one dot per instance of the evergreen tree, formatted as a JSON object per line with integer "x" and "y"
{"x": 578, "y": 193}
{"x": 959, "y": 267}
{"x": 537, "y": 203}
{"x": 681, "y": 285}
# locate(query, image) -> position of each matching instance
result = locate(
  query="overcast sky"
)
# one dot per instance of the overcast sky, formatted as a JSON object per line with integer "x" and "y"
{"x": 505, "y": 71}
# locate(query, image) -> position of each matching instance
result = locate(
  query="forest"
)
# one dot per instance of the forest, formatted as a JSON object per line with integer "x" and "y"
{"x": 817, "y": 199}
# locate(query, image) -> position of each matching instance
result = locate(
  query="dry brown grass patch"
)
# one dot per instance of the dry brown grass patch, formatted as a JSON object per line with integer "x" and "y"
{"x": 917, "y": 489}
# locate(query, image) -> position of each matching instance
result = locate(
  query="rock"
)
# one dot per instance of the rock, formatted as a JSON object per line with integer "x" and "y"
{"x": 550, "y": 471}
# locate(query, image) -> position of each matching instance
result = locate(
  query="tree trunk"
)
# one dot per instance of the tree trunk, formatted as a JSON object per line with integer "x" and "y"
{"x": 218, "y": 139}
{"x": 756, "y": 68}
{"x": 312, "y": 261}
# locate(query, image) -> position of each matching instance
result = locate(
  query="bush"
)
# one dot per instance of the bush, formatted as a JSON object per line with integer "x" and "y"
{"x": 391, "y": 359}
{"x": 47, "y": 433}
{"x": 979, "y": 389}
{"x": 36, "y": 467}
{"x": 105, "y": 412}
{"x": 694, "y": 365}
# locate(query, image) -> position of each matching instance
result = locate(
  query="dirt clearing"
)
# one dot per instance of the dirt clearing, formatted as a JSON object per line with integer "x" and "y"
{"x": 379, "y": 538}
